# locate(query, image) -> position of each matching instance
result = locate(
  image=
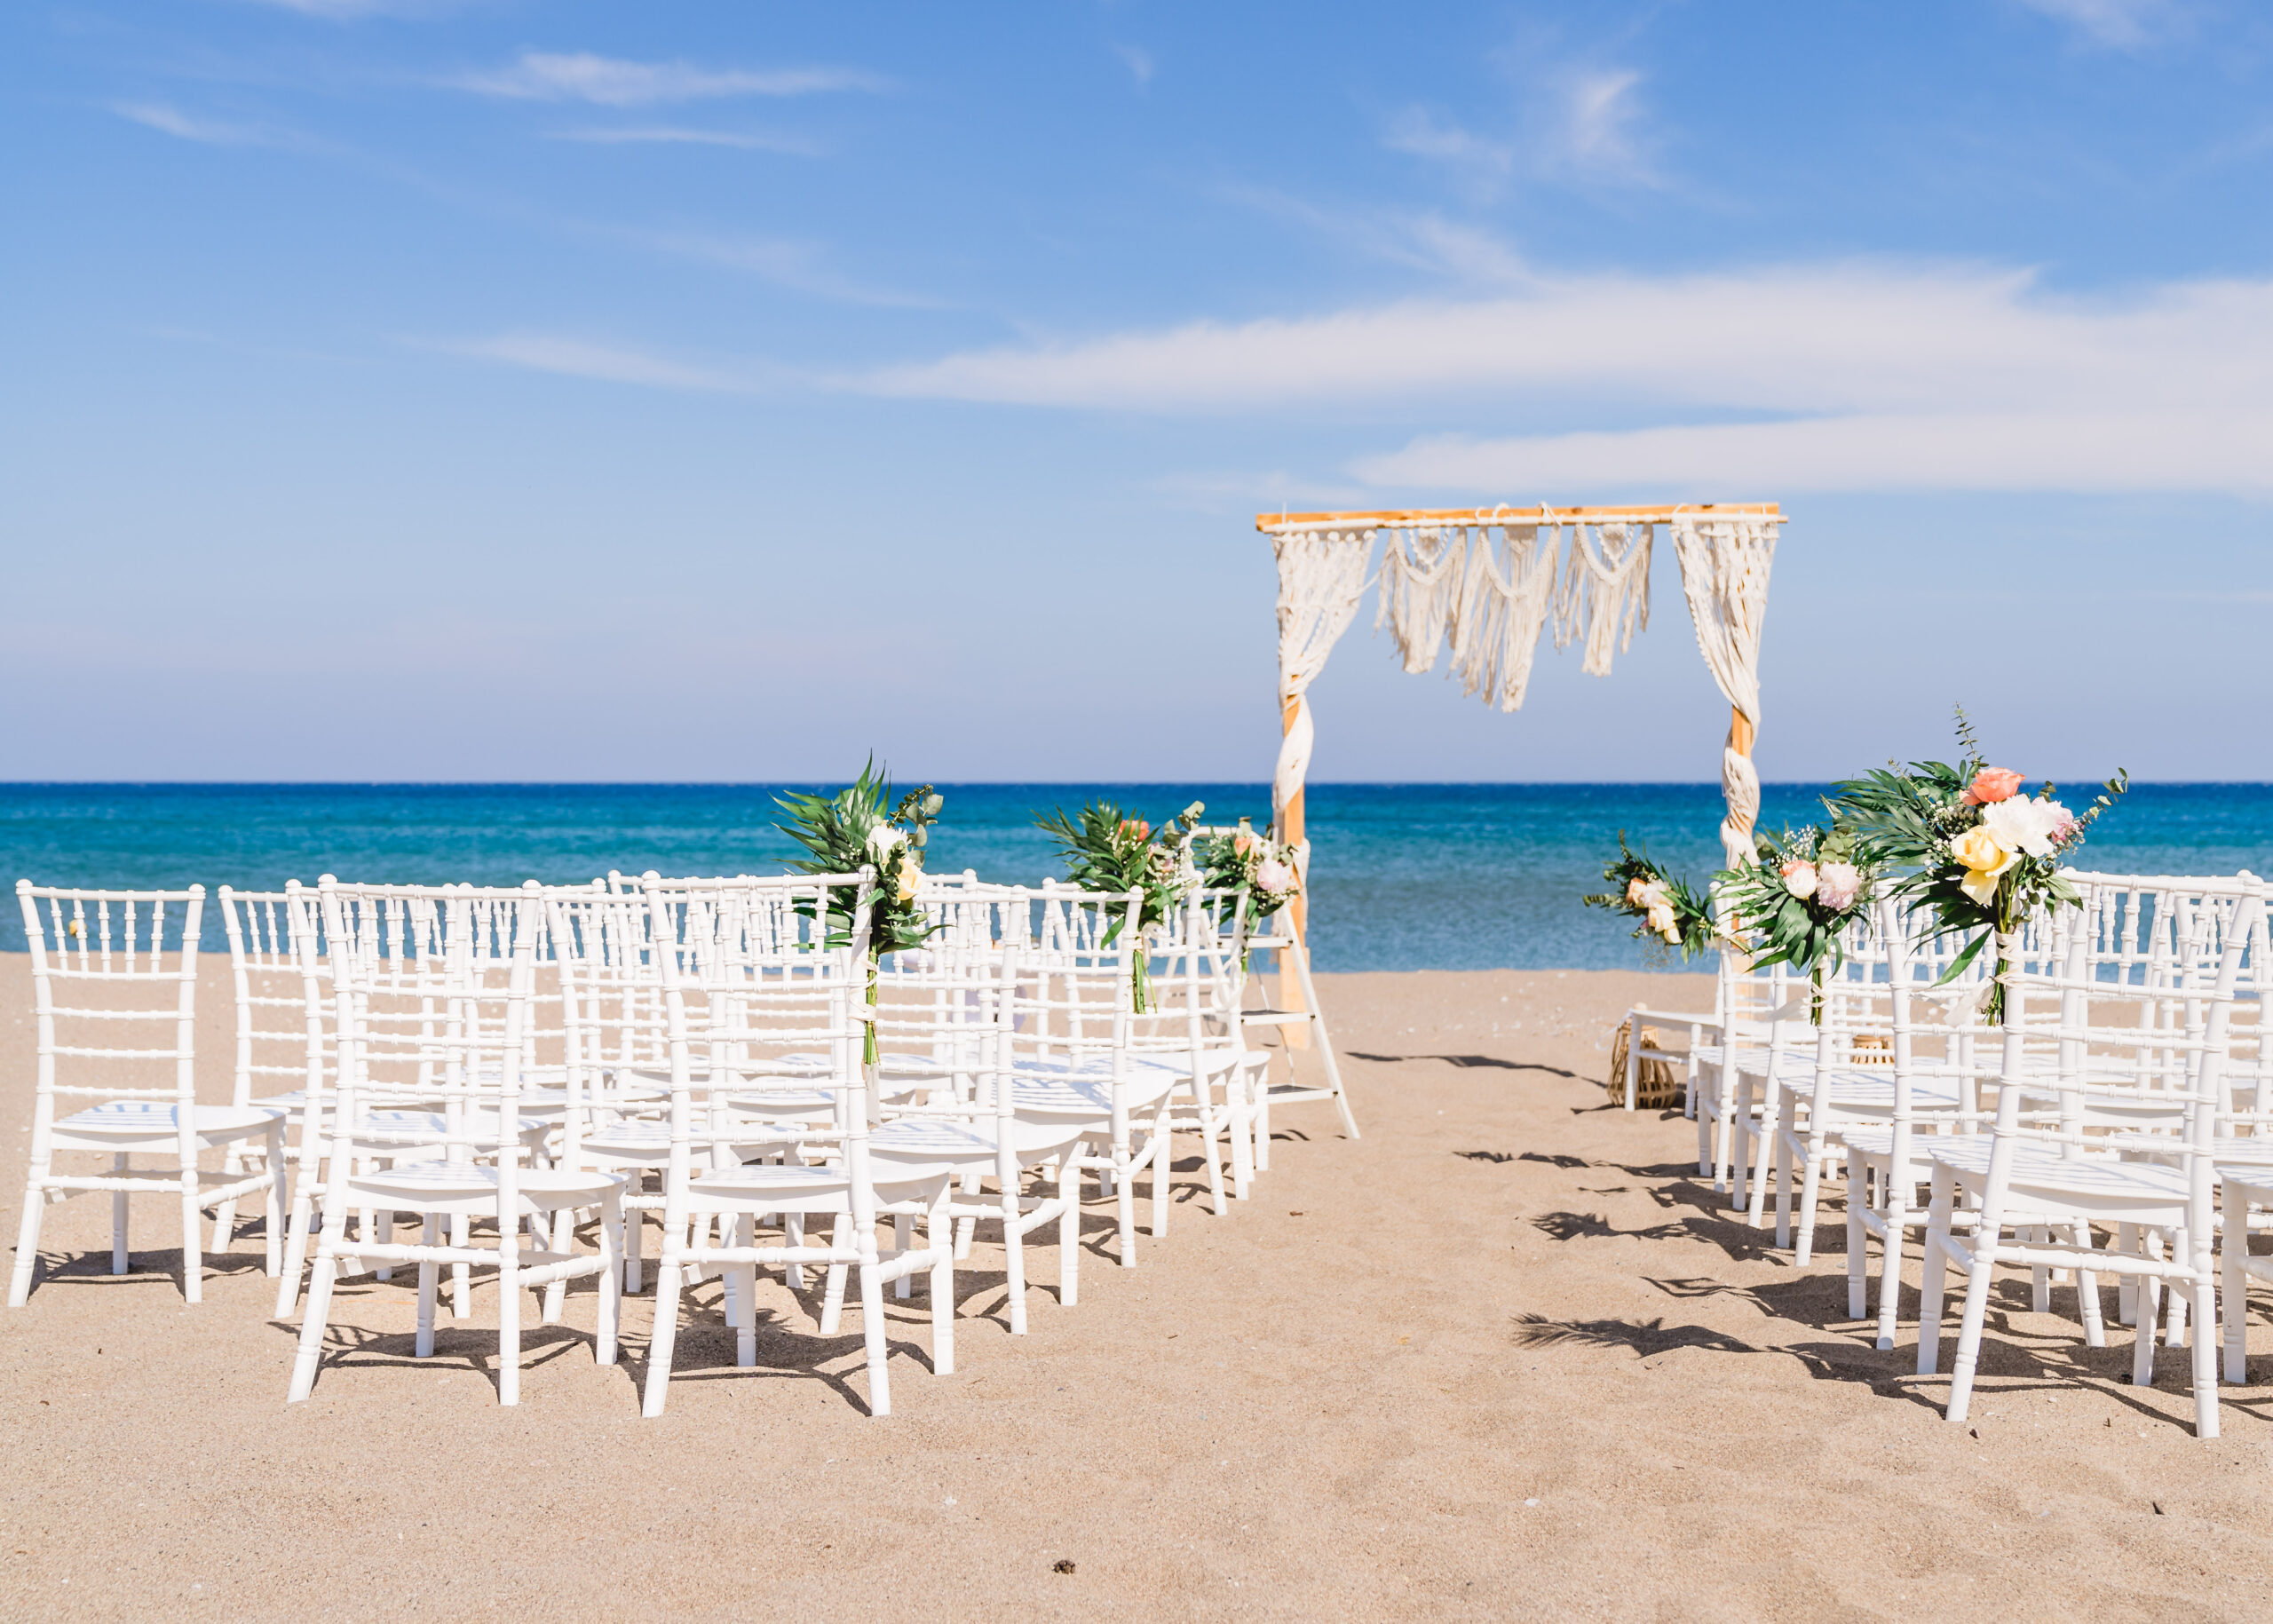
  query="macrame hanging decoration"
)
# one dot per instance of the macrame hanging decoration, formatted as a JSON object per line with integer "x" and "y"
{"x": 1724, "y": 565}
{"x": 1486, "y": 587}
{"x": 1321, "y": 577}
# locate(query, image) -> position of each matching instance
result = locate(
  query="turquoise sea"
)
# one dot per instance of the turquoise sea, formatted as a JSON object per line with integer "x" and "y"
{"x": 1405, "y": 876}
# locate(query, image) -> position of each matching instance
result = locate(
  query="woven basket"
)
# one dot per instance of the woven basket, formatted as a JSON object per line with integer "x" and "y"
{"x": 1657, "y": 1085}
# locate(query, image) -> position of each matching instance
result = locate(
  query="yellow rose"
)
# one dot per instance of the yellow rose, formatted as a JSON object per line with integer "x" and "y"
{"x": 1984, "y": 856}
{"x": 911, "y": 875}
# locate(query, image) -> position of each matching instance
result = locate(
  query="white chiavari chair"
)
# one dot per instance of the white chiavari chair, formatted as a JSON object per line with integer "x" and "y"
{"x": 791, "y": 989}
{"x": 274, "y": 952}
{"x": 466, "y": 1043}
{"x": 101, "y": 980}
{"x": 2067, "y": 1080}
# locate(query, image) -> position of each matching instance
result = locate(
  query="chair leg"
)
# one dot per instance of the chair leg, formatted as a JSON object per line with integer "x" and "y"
{"x": 635, "y": 1225}
{"x": 872, "y": 1333}
{"x": 509, "y": 1321}
{"x": 312, "y": 1325}
{"x": 1890, "y": 1249}
{"x": 611, "y": 1284}
{"x": 1069, "y": 1230}
{"x": 665, "y": 1334}
{"x": 2206, "y": 1358}
{"x": 1124, "y": 1203}
{"x": 1163, "y": 1145}
{"x": 193, "y": 1237}
{"x": 1934, "y": 1279}
{"x": 295, "y": 1240}
{"x": 564, "y": 1241}
{"x": 903, "y": 1232}
{"x": 460, "y": 1274}
{"x": 2233, "y": 1250}
{"x": 1857, "y": 1275}
{"x": 1014, "y": 1253}
{"x": 832, "y": 1297}
{"x": 2087, "y": 1295}
{"x": 119, "y": 1164}
{"x": 1810, "y": 1192}
{"x": 938, "y": 1237}
{"x": 19, "y": 1279}
{"x": 429, "y": 1283}
{"x": 272, "y": 1207}
{"x": 1978, "y": 1282}
{"x": 744, "y": 1277}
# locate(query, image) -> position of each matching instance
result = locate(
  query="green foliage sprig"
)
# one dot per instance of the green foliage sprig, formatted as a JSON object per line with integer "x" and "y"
{"x": 1106, "y": 851}
{"x": 1673, "y": 916}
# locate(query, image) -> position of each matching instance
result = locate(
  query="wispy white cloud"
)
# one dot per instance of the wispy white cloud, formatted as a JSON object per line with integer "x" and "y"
{"x": 190, "y": 127}
{"x": 786, "y": 262}
{"x": 1866, "y": 377}
{"x": 1586, "y": 129}
{"x": 745, "y": 140}
{"x": 584, "y": 357}
{"x": 1138, "y": 61}
{"x": 1477, "y": 159}
{"x": 539, "y": 76}
{"x": 2124, "y": 25}
{"x": 1425, "y": 242}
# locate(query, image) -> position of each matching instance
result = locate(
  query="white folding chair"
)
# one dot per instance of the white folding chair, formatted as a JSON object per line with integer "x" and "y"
{"x": 106, "y": 952}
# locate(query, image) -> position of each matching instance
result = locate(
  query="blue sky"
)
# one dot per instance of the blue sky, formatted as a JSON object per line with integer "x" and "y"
{"x": 506, "y": 391}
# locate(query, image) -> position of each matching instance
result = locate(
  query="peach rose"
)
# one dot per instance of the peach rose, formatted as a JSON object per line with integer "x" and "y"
{"x": 1992, "y": 785}
{"x": 1799, "y": 878}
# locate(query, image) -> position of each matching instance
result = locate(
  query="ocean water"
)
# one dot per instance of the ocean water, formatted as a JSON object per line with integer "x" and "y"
{"x": 1405, "y": 876}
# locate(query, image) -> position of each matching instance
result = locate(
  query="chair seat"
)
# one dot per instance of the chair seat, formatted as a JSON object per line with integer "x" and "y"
{"x": 1871, "y": 1088}
{"x": 479, "y": 1127}
{"x": 128, "y": 1124}
{"x": 914, "y": 1146}
{"x": 1145, "y": 1085}
{"x": 2041, "y": 1175}
{"x": 417, "y": 1183}
{"x": 649, "y": 1143}
{"x": 762, "y": 1185}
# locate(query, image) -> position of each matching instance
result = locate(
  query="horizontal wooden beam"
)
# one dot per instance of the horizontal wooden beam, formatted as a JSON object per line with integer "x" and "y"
{"x": 1398, "y": 519}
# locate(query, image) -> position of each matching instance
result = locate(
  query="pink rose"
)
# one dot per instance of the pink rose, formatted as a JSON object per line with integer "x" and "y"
{"x": 1274, "y": 876}
{"x": 1835, "y": 885}
{"x": 1992, "y": 784}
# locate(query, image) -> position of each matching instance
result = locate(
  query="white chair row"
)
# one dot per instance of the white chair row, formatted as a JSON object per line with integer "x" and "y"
{"x": 702, "y": 1042}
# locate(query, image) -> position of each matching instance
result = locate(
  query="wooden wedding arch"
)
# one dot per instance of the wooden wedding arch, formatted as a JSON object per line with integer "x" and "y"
{"x": 1484, "y": 583}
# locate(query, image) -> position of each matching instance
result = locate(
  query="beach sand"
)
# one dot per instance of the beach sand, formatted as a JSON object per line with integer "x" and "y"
{"x": 1503, "y": 1356}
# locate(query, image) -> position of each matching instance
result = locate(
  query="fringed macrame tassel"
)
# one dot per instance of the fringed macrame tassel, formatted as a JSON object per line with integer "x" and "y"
{"x": 1604, "y": 592}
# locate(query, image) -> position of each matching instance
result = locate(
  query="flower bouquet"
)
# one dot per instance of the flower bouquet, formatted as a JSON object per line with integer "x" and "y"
{"x": 1671, "y": 914}
{"x": 853, "y": 829}
{"x": 1254, "y": 863}
{"x": 1982, "y": 856}
{"x": 1106, "y": 852}
{"x": 1797, "y": 897}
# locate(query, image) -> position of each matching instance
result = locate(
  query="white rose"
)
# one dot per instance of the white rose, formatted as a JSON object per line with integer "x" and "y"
{"x": 883, "y": 840}
{"x": 2025, "y": 824}
{"x": 1662, "y": 922}
{"x": 1799, "y": 879}
{"x": 1654, "y": 896}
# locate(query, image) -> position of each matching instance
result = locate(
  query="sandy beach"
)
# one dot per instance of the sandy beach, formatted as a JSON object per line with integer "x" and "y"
{"x": 1505, "y": 1357}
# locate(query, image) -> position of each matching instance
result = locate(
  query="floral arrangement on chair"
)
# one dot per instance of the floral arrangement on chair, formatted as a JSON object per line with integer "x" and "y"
{"x": 1256, "y": 863}
{"x": 1983, "y": 856}
{"x": 1671, "y": 912}
{"x": 1798, "y": 895}
{"x": 1106, "y": 851}
{"x": 860, "y": 825}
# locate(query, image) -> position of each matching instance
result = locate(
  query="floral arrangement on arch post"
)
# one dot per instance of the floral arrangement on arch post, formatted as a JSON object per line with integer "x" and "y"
{"x": 1106, "y": 851}
{"x": 860, "y": 825}
{"x": 1796, "y": 899}
{"x": 1983, "y": 855}
{"x": 1672, "y": 915}
{"x": 1256, "y": 864}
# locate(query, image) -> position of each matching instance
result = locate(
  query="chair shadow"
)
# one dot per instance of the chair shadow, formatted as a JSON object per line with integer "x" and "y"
{"x": 1490, "y": 1062}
